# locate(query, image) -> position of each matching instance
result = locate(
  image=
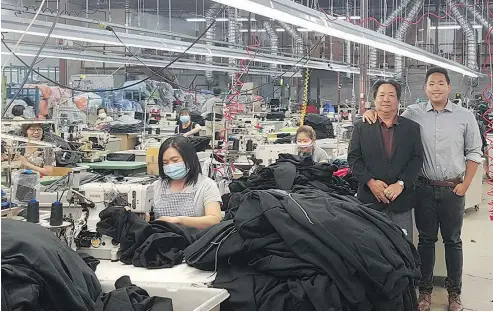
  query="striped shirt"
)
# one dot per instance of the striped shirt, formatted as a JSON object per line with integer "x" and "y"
{"x": 450, "y": 137}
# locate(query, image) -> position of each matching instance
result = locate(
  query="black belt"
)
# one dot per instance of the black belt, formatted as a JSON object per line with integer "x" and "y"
{"x": 444, "y": 183}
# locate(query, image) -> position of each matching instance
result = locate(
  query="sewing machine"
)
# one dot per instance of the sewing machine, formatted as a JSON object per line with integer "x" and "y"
{"x": 269, "y": 153}
{"x": 93, "y": 145}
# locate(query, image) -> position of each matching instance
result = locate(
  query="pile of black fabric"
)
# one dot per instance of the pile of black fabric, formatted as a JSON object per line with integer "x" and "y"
{"x": 197, "y": 118}
{"x": 290, "y": 171}
{"x": 41, "y": 273}
{"x": 200, "y": 143}
{"x": 152, "y": 245}
{"x": 308, "y": 250}
{"x": 322, "y": 126}
{"x": 128, "y": 295}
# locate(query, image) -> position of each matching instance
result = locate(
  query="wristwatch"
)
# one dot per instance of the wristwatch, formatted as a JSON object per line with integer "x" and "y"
{"x": 401, "y": 183}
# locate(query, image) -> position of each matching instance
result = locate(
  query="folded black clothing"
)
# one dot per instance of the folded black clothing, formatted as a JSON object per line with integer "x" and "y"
{"x": 157, "y": 244}
{"x": 89, "y": 260}
{"x": 309, "y": 249}
{"x": 39, "y": 272}
{"x": 199, "y": 143}
{"x": 129, "y": 297}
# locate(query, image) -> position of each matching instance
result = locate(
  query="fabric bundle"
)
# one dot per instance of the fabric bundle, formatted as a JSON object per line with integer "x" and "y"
{"x": 153, "y": 245}
{"x": 308, "y": 250}
{"x": 322, "y": 126}
{"x": 41, "y": 273}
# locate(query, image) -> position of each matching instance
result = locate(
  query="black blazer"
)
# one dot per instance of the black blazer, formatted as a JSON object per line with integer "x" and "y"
{"x": 367, "y": 159}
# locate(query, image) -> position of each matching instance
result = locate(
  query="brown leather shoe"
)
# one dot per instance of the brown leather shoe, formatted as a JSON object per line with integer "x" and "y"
{"x": 424, "y": 303}
{"x": 454, "y": 302}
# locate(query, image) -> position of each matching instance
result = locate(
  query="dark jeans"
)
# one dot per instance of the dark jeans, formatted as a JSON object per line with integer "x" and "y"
{"x": 439, "y": 207}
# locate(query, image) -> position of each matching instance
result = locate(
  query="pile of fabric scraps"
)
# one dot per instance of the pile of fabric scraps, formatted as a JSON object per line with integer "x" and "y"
{"x": 41, "y": 273}
{"x": 200, "y": 143}
{"x": 152, "y": 245}
{"x": 308, "y": 250}
{"x": 344, "y": 172}
{"x": 126, "y": 124}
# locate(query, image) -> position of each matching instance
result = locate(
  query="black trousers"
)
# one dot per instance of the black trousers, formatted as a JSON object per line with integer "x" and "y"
{"x": 440, "y": 208}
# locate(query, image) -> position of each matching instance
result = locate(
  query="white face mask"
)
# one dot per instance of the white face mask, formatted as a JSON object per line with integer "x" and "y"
{"x": 304, "y": 145}
{"x": 102, "y": 115}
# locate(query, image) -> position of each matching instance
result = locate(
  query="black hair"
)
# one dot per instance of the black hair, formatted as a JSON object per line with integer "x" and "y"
{"x": 184, "y": 110}
{"x": 397, "y": 86}
{"x": 438, "y": 70}
{"x": 18, "y": 110}
{"x": 187, "y": 152}
{"x": 26, "y": 127}
{"x": 102, "y": 108}
{"x": 217, "y": 91}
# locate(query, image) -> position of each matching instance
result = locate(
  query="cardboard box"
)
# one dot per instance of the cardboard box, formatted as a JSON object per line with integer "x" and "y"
{"x": 60, "y": 171}
{"x": 128, "y": 140}
{"x": 152, "y": 160}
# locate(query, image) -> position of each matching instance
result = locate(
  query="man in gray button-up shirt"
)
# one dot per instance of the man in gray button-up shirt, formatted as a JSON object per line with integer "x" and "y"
{"x": 452, "y": 152}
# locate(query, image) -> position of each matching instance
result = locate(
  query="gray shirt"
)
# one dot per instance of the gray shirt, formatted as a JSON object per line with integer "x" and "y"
{"x": 319, "y": 155}
{"x": 449, "y": 137}
{"x": 205, "y": 192}
{"x": 215, "y": 103}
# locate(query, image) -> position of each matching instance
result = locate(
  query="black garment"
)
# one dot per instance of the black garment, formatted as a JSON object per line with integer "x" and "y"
{"x": 156, "y": 244}
{"x": 309, "y": 250}
{"x": 179, "y": 129}
{"x": 368, "y": 160}
{"x": 39, "y": 272}
{"x": 89, "y": 260}
{"x": 200, "y": 143}
{"x": 439, "y": 207}
{"x": 127, "y": 296}
{"x": 322, "y": 126}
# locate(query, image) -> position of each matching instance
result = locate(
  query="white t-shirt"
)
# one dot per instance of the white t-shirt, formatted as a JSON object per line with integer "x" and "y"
{"x": 206, "y": 192}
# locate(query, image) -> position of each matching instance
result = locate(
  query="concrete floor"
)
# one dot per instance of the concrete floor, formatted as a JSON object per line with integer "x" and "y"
{"x": 477, "y": 279}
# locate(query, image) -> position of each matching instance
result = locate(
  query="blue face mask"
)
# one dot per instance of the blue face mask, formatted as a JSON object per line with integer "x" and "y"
{"x": 175, "y": 171}
{"x": 184, "y": 119}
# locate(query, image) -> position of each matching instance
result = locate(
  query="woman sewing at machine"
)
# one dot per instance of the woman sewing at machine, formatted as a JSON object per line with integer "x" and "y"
{"x": 185, "y": 126}
{"x": 40, "y": 159}
{"x": 305, "y": 139}
{"x": 183, "y": 195}
{"x": 103, "y": 118}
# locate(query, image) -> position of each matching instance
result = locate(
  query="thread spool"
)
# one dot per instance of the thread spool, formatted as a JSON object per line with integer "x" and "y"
{"x": 56, "y": 217}
{"x": 33, "y": 211}
{"x": 236, "y": 144}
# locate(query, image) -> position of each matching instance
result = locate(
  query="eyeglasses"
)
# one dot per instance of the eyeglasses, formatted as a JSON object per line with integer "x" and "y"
{"x": 35, "y": 129}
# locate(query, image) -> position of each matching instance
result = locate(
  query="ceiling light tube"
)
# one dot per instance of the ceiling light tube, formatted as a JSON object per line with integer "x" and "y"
{"x": 304, "y": 17}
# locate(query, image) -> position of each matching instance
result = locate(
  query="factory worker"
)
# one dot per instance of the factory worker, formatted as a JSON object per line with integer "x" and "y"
{"x": 185, "y": 125}
{"x": 40, "y": 159}
{"x": 213, "y": 105}
{"x": 183, "y": 195}
{"x": 103, "y": 117}
{"x": 305, "y": 139}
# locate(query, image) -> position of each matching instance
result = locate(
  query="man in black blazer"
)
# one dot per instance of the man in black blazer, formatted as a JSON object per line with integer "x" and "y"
{"x": 386, "y": 157}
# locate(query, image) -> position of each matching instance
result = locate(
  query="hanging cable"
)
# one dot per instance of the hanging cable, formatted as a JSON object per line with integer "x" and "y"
{"x": 305, "y": 97}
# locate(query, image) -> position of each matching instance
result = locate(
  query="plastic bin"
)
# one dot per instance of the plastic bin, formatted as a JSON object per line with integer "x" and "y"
{"x": 184, "y": 298}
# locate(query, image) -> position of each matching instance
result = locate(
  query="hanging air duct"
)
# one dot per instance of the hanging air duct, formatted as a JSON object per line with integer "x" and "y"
{"x": 401, "y": 34}
{"x": 210, "y": 16}
{"x": 474, "y": 10}
{"x": 381, "y": 29}
{"x": 298, "y": 41}
{"x": 128, "y": 16}
{"x": 348, "y": 59}
{"x": 232, "y": 35}
{"x": 469, "y": 32}
{"x": 273, "y": 44}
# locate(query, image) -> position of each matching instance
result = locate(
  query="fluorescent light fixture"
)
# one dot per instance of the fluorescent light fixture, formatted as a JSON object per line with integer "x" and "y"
{"x": 355, "y": 17}
{"x": 304, "y": 17}
{"x": 445, "y": 27}
{"x": 220, "y": 19}
{"x": 280, "y": 29}
{"x": 303, "y": 30}
{"x": 341, "y": 17}
{"x": 254, "y": 30}
{"x": 198, "y": 19}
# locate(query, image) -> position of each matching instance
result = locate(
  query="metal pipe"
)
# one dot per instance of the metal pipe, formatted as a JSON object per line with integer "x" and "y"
{"x": 128, "y": 18}
{"x": 474, "y": 10}
{"x": 274, "y": 47}
{"x": 470, "y": 34}
{"x": 232, "y": 35}
{"x": 381, "y": 29}
{"x": 169, "y": 15}
{"x": 348, "y": 55}
{"x": 298, "y": 41}
{"x": 210, "y": 35}
{"x": 401, "y": 34}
